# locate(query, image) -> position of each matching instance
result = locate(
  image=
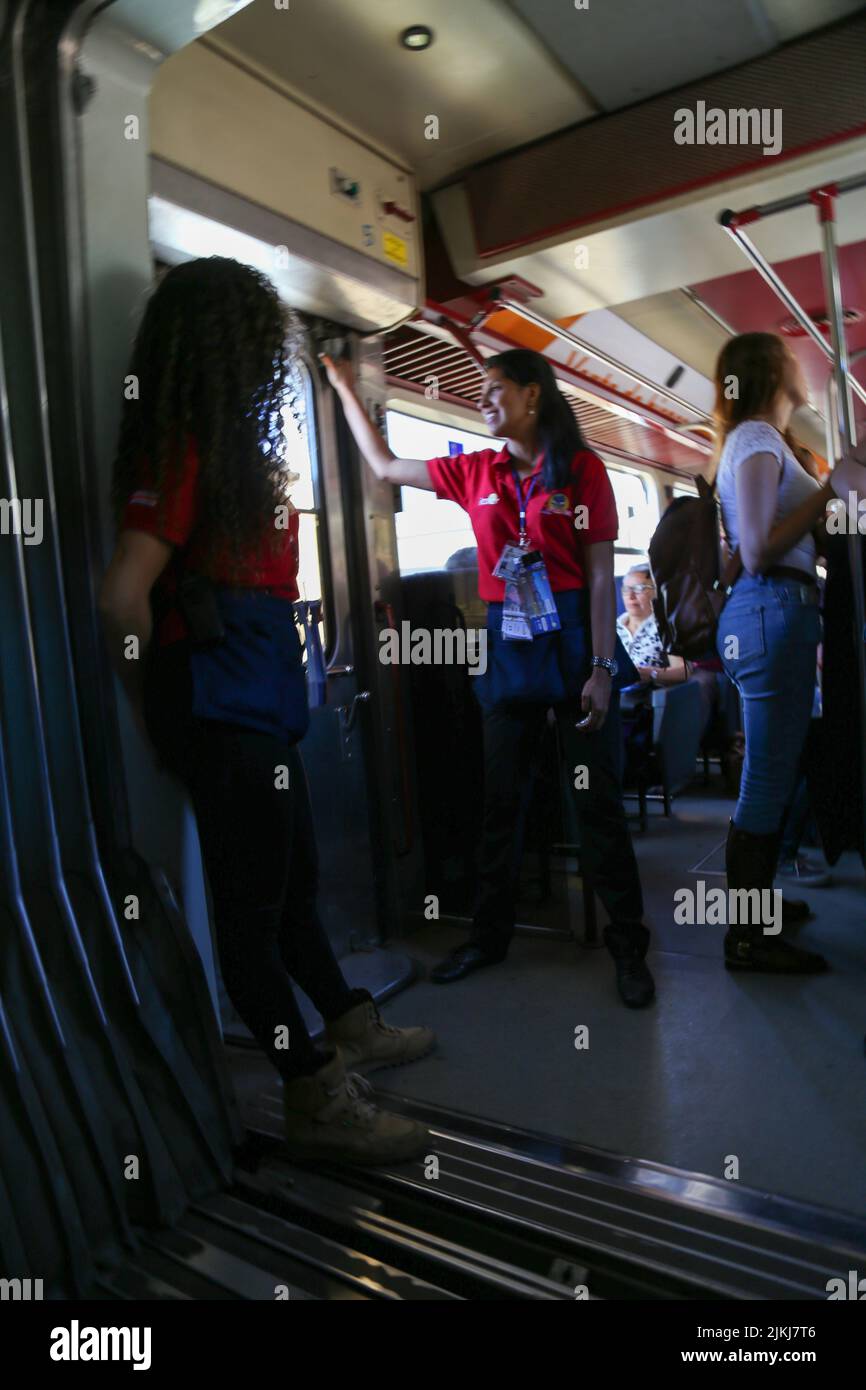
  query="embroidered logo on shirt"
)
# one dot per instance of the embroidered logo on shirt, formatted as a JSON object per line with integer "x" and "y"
{"x": 558, "y": 504}
{"x": 489, "y": 500}
{"x": 144, "y": 499}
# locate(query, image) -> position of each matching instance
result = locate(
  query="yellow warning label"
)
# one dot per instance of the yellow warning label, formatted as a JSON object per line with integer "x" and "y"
{"x": 395, "y": 248}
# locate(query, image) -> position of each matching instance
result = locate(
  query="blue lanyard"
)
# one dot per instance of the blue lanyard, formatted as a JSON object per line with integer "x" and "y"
{"x": 523, "y": 502}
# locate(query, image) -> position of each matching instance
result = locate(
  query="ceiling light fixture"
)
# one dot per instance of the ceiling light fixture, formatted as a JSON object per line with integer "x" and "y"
{"x": 417, "y": 37}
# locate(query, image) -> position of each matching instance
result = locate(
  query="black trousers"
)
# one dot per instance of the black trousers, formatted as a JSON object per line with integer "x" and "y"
{"x": 259, "y": 850}
{"x": 607, "y": 855}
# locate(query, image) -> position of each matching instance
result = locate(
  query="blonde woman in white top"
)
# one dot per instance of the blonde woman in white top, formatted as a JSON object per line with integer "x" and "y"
{"x": 770, "y": 626}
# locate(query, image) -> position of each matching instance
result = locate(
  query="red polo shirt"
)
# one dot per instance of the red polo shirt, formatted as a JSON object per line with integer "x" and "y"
{"x": 275, "y": 569}
{"x": 483, "y": 484}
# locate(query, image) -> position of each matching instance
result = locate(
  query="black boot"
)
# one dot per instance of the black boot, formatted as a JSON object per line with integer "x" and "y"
{"x": 795, "y": 911}
{"x": 750, "y": 861}
{"x": 628, "y": 943}
{"x": 463, "y": 960}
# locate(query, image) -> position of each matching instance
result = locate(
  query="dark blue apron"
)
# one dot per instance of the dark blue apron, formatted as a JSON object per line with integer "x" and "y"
{"x": 550, "y": 669}
{"x": 255, "y": 676}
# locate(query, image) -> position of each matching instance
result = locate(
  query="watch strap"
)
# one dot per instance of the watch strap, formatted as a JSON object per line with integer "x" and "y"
{"x": 607, "y": 663}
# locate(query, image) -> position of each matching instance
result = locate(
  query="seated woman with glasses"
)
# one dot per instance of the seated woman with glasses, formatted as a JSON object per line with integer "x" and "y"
{"x": 638, "y": 631}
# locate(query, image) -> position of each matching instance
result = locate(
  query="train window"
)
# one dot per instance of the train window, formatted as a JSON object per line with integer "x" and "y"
{"x": 304, "y": 493}
{"x": 430, "y": 531}
{"x": 637, "y": 509}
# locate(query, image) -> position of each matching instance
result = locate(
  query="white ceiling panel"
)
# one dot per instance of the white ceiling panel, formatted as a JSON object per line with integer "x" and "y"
{"x": 791, "y": 18}
{"x": 627, "y": 50}
{"x": 623, "y": 51}
{"x": 487, "y": 77}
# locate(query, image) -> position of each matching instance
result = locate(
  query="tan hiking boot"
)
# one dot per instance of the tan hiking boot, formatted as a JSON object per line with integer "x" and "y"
{"x": 366, "y": 1042}
{"x": 327, "y": 1116}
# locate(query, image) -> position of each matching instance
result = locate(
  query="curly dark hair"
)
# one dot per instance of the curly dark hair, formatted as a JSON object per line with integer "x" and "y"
{"x": 213, "y": 361}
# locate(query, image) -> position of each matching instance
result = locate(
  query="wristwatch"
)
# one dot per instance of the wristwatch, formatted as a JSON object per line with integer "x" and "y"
{"x": 607, "y": 663}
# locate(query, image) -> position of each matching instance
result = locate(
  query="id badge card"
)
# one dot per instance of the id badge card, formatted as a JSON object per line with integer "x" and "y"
{"x": 539, "y": 605}
{"x": 509, "y": 566}
{"x": 515, "y": 625}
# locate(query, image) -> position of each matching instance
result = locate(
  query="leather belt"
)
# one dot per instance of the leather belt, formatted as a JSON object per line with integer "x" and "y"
{"x": 788, "y": 572}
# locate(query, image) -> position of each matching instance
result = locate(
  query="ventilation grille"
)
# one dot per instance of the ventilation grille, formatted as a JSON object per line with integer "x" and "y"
{"x": 444, "y": 371}
{"x": 590, "y": 172}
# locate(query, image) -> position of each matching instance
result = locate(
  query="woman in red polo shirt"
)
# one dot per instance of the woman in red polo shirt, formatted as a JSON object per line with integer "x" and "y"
{"x": 544, "y": 500}
{"x": 197, "y": 606}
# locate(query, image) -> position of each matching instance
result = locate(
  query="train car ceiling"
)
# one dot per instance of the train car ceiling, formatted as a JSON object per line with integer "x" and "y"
{"x": 585, "y": 179}
{"x": 637, "y": 254}
{"x": 260, "y": 95}
{"x": 333, "y": 221}
{"x": 346, "y": 58}
{"x": 632, "y": 50}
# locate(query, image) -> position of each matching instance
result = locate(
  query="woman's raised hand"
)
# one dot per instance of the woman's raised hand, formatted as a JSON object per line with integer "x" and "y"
{"x": 341, "y": 374}
{"x": 849, "y": 475}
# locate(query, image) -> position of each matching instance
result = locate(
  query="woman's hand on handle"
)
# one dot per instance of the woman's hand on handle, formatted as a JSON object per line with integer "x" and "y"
{"x": 401, "y": 472}
{"x": 341, "y": 374}
{"x": 849, "y": 475}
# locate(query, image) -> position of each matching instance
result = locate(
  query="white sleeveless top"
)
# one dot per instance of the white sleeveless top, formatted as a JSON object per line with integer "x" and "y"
{"x": 795, "y": 485}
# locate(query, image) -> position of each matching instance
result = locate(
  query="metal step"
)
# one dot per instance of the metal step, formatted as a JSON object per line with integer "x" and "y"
{"x": 407, "y": 1232}
{"x": 629, "y": 1223}
{"x": 229, "y": 1248}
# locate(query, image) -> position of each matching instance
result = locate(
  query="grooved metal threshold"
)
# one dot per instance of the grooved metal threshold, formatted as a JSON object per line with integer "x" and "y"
{"x": 617, "y": 1217}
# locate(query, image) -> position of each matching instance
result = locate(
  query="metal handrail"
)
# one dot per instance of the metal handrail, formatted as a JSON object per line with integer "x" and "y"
{"x": 780, "y": 289}
{"x": 795, "y": 200}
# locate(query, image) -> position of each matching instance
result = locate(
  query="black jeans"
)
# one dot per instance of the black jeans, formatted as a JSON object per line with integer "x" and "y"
{"x": 259, "y": 849}
{"x": 607, "y": 855}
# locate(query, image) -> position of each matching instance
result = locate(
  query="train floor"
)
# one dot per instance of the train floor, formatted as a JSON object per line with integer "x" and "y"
{"x": 768, "y": 1071}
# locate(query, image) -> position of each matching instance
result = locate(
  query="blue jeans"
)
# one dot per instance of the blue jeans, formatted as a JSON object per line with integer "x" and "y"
{"x": 768, "y": 638}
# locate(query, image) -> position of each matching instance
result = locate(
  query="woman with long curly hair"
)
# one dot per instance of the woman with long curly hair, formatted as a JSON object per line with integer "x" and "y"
{"x": 201, "y": 587}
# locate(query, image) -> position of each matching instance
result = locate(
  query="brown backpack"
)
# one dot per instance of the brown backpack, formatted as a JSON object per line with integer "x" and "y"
{"x": 691, "y": 580}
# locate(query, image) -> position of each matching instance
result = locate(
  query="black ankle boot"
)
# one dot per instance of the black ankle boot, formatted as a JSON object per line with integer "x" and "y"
{"x": 795, "y": 911}
{"x": 750, "y": 861}
{"x": 628, "y": 946}
{"x": 633, "y": 980}
{"x": 463, "y": 960}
